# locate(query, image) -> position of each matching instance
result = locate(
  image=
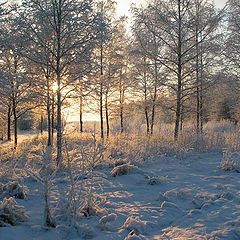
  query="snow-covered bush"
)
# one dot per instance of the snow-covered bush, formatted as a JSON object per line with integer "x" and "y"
{"x": 170, "y": 207}
{"x": 121, "y": 170}
{"x": 231, "y": 162}
{"x": 45, "y": 174}
{"x": 120, "y": 162}
{"x": 133, "y": 236}
{"x": 106, "y": 220}
{"x": 80, "y": 199}
{"x": 91, "y": 207}
{"x": 157, "y": 180}
{"x": 85, "y": 231}
{"x": 11, "y": 213}
{"x": 135, "y": 224}
{"x": 13, "y": 189}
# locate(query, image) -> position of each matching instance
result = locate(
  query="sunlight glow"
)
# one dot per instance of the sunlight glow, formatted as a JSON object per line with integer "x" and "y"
{"x": 54, "y": 87}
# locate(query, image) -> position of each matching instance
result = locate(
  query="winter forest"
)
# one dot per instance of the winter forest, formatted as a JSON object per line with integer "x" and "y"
{"x": 119, "y": 126}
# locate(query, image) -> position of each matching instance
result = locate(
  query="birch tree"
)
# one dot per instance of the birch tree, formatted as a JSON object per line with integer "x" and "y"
{"x": 170, "y": 22}
{"x": 69, "y": 25}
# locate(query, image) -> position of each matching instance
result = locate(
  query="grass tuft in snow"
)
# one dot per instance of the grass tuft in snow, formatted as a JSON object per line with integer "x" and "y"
{"x": 230, "y": 162}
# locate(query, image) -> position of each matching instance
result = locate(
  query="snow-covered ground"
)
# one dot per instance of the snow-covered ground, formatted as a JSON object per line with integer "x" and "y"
{"x": 165, "y": 198}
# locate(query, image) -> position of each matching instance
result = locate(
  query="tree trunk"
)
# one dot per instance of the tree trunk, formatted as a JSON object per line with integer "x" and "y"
{"x": 107, "y": 116}
{"x": 41, "y": 125}
{"x": 154, "y": 96}
{"x": 101, "y": 88}
{"x": 179, "y": 75}
{"x": 9, "y": 124}
{"x": 197, "y": 70}
{"x": 81, "y": 112}
{"x": 52, "y": 119}
{"x": 145, "y": 97}
{"x": 101, "y": 111}
{"x": 182, "y": 116}
{"x": 58, "y": 17}
{"x": 201, "y": 96}
{"x": 15, "y": 123}
{"x": 49, "y": 141}
{"x": 121, "y": 100}
{"x": 59, "y": 123}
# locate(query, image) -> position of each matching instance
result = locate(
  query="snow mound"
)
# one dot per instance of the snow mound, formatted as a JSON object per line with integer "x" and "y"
{"x": 133, "y": 236}
{"x": 231, "y": 162}
{"x": 11, "y": 213}
{"x": 120, "y": 162}
{"x": 135, "y": 224}
{"x": 122, "y": 170}
{"x": 162, "y": 198}
{"x": 181, "y": 196}
{"x": 171, "y": 208}
{"x": 92, "y": 210}
{"x": 176, "y": 233}
{"x": 105, "y": 220}
{"x": 13, "y": 189}
{"x": 177, "y": 194}
{"x": 228, "y": 196}
{"x": 157, "y": 180}
{"x": 86, "y": 231}
{"x": 204, "y": 199}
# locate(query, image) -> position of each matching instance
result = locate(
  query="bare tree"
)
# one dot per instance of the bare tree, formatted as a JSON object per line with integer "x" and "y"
{"x": 69, "y": 27}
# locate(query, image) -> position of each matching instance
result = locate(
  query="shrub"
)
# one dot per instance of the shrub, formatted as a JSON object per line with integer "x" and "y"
{"x": 13, "y": 189}
{"x": 231, "y": 162}
{"x": 121, "y": 170}
{"x": 11, "y": 213}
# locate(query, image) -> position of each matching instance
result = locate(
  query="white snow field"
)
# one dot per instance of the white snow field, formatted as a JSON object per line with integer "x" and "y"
{"x": 165, "y": 198}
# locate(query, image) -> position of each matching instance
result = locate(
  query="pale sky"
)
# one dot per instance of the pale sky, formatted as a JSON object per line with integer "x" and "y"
{"x": 124, "y": 5}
